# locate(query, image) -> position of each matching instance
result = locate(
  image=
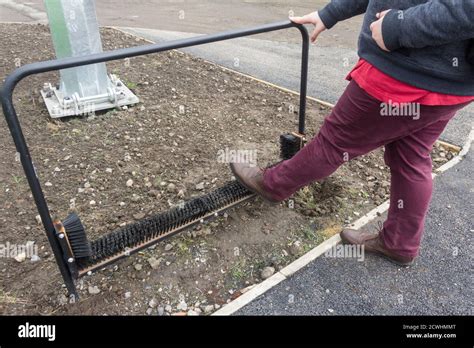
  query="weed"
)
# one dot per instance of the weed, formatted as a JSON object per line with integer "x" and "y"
{"x": 17, "y": 179}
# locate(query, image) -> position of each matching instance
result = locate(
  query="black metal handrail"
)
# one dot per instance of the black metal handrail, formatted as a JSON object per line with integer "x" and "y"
{"x": 19, "y": 74}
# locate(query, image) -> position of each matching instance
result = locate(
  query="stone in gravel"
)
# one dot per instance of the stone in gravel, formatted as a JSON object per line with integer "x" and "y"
{"x": 267, "y": 272}
{"x": 130, "y": 183}
{"x": 63, "y": 300}
{"x": 149, "y": 311}
{"x": 208, "y": 309}
{"x": 168, "y": 308}
{"x": 38, "y": 219}
{"x": 138, "y": 267}
{"x": 161, "y": 311}
{"x": 128, "y": 294}
{"x": 181, "y": 194}
{"x": 48, "y": 184}
{"x": 139, "y": 216}
{"x": 192, "y": 313}
{"x": 92, "y": 202}
{"x": 168, "y": 247}
{"x": 217, "y": 306}
{"x": 53, "y": 128}
{"x": 35, "y": 258}
{"x": 155, "y": 263}
{"x": 171, "y": 188}
{"x": 20, "y": 257}
{"x": 109, "y": 170}
{"x": 296, "y": 248}
{"x": 153, "y": 303}
{"x": 182, "y": 306}
{"x": 200, "y": 186}
{"x": 154, "y": 193}
{"x": 93, "y": 290}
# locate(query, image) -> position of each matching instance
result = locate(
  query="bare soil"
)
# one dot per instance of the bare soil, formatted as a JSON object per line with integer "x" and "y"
{"x": 84, "y": 164}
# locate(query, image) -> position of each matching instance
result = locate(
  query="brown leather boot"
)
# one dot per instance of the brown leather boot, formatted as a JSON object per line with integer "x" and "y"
{"x": 252, "y": 178}
{"x": 373, "y": 244}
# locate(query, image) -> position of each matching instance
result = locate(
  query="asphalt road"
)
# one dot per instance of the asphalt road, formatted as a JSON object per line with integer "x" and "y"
{"x": 439, "y": 283}
{"x": 192, "y": 16}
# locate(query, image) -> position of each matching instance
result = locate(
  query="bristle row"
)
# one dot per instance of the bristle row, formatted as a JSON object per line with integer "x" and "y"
{"x": 152, "y": 228}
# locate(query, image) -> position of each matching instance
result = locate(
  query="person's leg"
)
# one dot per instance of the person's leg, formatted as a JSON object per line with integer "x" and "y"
{"x": 355, "y": 127}
{"x": 410, "y": 193}
{"x": 342, "y": 137}
{"x": 411, "y": 188}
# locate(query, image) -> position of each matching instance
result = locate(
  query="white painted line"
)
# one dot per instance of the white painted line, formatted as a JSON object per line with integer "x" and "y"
{"x": 25, "y": 10}
{"x": 22, "y": 23}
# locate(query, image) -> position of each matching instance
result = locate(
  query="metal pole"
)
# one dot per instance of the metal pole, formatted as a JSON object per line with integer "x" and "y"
{"x": 33, "y": 181}
{"x": 75, "y": 33}
{"x": 304, "y": 80}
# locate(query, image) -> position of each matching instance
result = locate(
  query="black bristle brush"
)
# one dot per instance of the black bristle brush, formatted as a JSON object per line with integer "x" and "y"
{"x": 76, "y": 236}
{"x": 290, "y": 144}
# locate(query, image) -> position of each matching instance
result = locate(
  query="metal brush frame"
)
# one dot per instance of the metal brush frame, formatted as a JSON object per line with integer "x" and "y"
{"x": 19, "y": 74}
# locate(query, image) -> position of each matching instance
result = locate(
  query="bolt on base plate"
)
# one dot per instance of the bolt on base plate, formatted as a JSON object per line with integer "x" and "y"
{"x": 59, "y": 106}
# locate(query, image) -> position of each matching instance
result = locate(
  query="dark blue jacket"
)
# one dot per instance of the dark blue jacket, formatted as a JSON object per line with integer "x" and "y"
{"x": 431, "y": 41}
